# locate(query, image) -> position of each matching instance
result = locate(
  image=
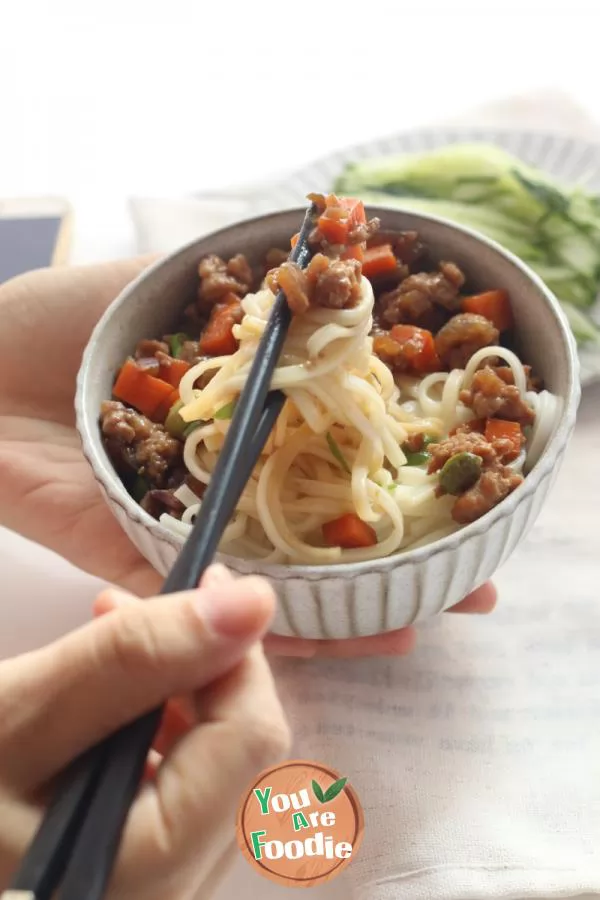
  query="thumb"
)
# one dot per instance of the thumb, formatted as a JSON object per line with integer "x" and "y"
{"x": 96, "y": 679}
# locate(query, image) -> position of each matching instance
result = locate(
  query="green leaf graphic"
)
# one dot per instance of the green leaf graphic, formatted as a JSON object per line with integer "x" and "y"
{"x": 334, "y": 789}
{"x": 318, "y": 791}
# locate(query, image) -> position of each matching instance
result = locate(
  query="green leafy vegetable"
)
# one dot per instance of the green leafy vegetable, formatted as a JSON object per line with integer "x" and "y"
{"x": 226, "y": 411}
{"x": 582, "y": 326}
{"x": 176, "y": 342}
{"x": 554, "y": 229}
{"x": 318, "y": 791}
{"x": 334, "y": 789}
{"x": 337, "y": 453}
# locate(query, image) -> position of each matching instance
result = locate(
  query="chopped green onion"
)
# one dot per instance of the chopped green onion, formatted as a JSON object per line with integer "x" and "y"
{"x": 337, "y": 453}
{"x": 139, "y": 489}
{"x": 191, "y": 427}
{"x": 226, "y": 411}
{"x": 176, "y": 342}
{"x": 174, "y": 424}
{"x": 460, "y": 472}
{"x": 417, "y": 459}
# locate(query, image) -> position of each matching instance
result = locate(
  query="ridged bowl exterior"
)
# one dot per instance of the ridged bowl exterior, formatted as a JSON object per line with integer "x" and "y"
{"x": 360, "y": 599}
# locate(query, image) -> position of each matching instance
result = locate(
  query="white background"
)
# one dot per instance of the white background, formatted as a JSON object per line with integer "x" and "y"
{"x": 99, "y": 100}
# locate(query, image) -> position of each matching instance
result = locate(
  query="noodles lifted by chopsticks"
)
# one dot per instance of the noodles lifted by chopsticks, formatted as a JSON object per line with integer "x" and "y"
{"x": 337, "y": 447}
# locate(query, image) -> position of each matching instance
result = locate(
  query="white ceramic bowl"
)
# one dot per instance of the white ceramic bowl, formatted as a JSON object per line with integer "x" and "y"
{"x": 348, "y": 600}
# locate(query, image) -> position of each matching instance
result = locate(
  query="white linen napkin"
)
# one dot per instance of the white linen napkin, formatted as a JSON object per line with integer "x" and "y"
{"x": 477, "y": 759}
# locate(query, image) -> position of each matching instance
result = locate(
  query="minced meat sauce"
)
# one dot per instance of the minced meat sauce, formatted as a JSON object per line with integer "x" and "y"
{"x": 424, "y": 320}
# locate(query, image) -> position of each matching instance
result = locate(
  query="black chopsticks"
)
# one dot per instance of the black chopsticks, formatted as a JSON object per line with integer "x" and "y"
{"x": 78, "y": 839}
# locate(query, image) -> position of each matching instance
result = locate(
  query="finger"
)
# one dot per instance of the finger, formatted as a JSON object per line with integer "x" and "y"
{"x": 111, "y": 671}
{"x": 481, "y": 601}
{"x": 102, "y": 282}
{"x": 392, "y": 643}
{"x": 179, "y": 715}
{"x": 108, "y": 601}
{"x": 177, "y": 720}
{"x": 221, "y": 868}
{"x": 216, "y": 575}
{"x": 64, "y": 301}
{"x": 184, "y": 820}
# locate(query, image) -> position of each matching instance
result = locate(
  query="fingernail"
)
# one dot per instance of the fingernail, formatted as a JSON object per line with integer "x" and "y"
{"x": 215, "y": 576}
{"x": 240, "y": 610}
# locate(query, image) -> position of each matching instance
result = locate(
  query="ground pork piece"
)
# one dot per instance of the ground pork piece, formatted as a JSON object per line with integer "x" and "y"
{"x": 408, "y": 248}
{"x": 472, "y": 442}
{"x": 490, "y": 395}
{"x": 423, "y": 299}
{"x": 192, "y": 318}
{"x": 414, "y": 443}
{"x": 452, "y": 274}
{"x": 468, "y": 427}
{"x": 336, "y": 286}
{"x": 462, "y": 336}
{"x": 134, "y": 442}
{"x": 148, "y": 348}
{"x": 205, "y": 379}
{"x": 364, "y": 231}
{"x": 275, "y": 258}
{"x": 401, "y": 307}
{"x": 506, "y": 374}
{"x": 505, "y": 449}
{"x": 190, "y": 352}
{"x": 150, "y": 364}
{"x": 333, "y": 284}
{"x": 157, "y": 501}
{"x": 197, "y": 487}
{"x": 493, "y": 486}
{"x": 441, "y": 287}
{"x": 218, "y": 278}
{"x": 292, "y": 280}
{"x": 239, "y": 267}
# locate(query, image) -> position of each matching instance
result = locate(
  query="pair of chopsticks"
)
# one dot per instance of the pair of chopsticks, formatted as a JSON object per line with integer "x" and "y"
{"x": 78, "y": 839}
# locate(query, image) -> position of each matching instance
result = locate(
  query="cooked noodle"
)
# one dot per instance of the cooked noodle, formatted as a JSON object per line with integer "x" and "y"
{"x": 339, "y": 395}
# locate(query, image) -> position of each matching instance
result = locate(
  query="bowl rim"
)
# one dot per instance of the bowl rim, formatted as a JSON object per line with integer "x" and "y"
{"x": 115, "y": 491}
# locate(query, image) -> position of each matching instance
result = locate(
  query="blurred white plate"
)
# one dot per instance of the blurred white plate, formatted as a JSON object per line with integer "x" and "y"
{"x": 568, "y": 159}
